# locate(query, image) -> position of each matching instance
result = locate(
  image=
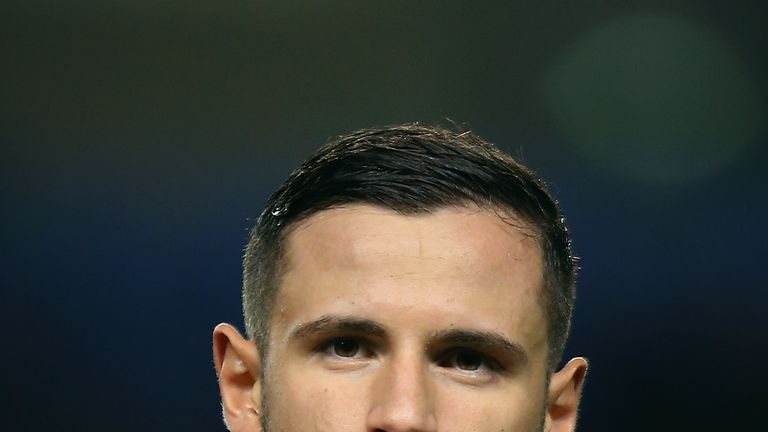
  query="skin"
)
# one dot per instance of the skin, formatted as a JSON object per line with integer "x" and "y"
{"x": 395, "y": 323}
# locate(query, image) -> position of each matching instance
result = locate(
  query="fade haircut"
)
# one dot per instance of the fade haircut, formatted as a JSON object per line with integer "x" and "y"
{"x": 412, "y": 170}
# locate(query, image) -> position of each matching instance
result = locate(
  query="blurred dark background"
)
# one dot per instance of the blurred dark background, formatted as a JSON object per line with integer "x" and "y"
{"x": 140, "y": 139}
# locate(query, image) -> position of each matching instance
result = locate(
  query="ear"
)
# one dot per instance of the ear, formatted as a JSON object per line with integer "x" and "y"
{"x": 237, "y": 366}
{"x": 564, "y": 395}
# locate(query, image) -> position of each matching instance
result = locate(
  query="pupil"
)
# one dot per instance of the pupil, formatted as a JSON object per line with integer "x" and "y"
{"x": 468, "y": 361}
{"x": 345, "y": 347}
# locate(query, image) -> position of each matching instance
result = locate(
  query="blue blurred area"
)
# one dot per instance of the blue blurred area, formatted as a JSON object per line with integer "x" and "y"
{"x": 139, "y": 140}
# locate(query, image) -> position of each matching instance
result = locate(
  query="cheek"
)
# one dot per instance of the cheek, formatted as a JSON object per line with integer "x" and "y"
{"x": 307, "y": 401}
{"x": 517, "y": 409}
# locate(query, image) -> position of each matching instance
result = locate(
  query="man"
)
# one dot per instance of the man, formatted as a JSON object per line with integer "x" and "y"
{"x": 404, "y": 279}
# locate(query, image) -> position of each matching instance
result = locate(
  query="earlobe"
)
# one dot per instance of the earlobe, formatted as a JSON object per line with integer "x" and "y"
{"x": 564, "y": 395}
{"x": 237, "y": 367}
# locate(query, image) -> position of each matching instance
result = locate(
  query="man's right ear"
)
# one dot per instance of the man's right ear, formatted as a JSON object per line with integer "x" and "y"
{"x": 237, "y": 367}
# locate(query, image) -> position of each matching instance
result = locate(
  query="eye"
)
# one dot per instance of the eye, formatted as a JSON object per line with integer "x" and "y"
{"x": 345, "y": 347}
{"x": 469, "y": 361}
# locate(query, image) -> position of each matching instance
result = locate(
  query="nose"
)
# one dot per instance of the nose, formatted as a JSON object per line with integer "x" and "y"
{"x": 403, "y": 399}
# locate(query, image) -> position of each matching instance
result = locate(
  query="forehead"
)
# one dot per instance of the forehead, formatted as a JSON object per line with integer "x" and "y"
{"x": 460, "y": 265}
{"x": 356, "y": 234}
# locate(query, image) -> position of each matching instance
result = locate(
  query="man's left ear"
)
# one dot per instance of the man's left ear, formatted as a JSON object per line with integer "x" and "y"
{"x": 564, "y": 395}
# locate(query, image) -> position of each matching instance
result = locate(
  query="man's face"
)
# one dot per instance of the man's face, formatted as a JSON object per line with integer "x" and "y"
{"x": 386, "y": 322}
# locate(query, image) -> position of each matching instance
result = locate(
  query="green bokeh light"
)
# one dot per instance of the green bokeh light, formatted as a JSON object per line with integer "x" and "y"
{"x": 655, "y": 99}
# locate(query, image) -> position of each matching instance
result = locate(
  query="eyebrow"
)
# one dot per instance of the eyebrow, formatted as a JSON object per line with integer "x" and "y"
{"x": 335, "y": 323}
{"x": 482, "y": 340}
{"x": 476, "y": 339}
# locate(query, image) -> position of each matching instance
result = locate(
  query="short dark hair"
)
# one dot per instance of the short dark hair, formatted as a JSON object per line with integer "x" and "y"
{"x": 410, "y": 169}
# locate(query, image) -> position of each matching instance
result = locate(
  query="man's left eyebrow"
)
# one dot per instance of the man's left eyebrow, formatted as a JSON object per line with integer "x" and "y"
{"x": 481, "y": 340}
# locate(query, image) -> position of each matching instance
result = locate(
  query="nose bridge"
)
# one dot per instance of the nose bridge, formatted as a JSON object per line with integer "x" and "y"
{"x": 403, "y": 399}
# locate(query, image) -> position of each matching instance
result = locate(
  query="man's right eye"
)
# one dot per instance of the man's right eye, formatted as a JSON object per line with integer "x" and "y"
{"x": 345, "y": 347}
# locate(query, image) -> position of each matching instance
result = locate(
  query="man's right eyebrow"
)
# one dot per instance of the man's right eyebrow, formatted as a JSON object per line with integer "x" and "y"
{"x": 336, "y": 323}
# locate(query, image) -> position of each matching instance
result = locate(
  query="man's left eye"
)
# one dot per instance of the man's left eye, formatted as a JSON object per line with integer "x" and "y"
{"x": 468, "y": 360}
